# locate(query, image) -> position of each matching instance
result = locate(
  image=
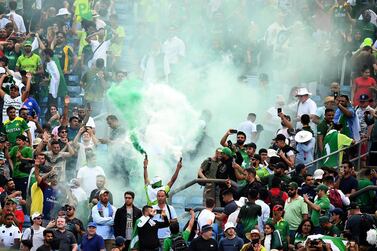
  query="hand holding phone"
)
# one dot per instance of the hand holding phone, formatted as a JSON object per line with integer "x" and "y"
{"x": 279, "y": 110}
{"x": 232, "y": 131}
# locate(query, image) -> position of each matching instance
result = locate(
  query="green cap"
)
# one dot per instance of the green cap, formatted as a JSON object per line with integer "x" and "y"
{"x": 293, "y": 185}
{"x": 28, "y": 43}
{"x": 322, "y": 187}
{"x": 228, "y": 152}
{"x": 324, "y": 219}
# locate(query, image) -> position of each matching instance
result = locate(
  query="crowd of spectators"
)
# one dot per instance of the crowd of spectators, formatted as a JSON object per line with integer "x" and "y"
{"x": 58, "y": 59}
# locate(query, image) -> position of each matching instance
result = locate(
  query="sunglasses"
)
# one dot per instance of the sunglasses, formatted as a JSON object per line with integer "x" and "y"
{"x": 63, "y": 132}
{"x": 38, "y": 218}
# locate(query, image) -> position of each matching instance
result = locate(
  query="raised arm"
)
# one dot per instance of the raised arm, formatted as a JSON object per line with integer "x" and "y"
{"x": 146, "y": 180}
{"x": 175, "y": 175}
{"x": 224, "y": 138}
{"x": 38, "y": 177}
{"x": 2, "y": 93}
{"x": 25, "y": 94}
{"x": 192, "y": 221}
{"x": 65, "y": 111}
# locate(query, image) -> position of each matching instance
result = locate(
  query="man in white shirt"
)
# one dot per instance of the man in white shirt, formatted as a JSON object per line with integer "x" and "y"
{"x": 100, "y": 46}
{"x": 54, "y": 73}
{"x": 35, "y": 232}
{"x": 14, "y": 98}
{"x": 87, "y": 175}
{"x": 18, "y": 20}
{"x": 305, "y": 105}
{"x": 174, "y": 49}
{"x": 10, "y": 234}
{"x": 249, "y": 128}
{"x": 163, "y": 233}
{"x": 206, "y": 216}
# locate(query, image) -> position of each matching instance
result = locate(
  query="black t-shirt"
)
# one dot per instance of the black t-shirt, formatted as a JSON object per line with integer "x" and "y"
{"x": 354, "y": 225}
{"x": 200, "y": 244}
{"x": 65, "y": 239}
{"x": 71, "y": 226}
{"x": 347, "y": 184}
{"x": 44, "y": 247}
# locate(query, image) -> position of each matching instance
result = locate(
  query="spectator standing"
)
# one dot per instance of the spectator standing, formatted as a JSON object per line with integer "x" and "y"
{"x": 320, "y": 206}
{"x": 125, "y": 218}
{"x": 175, "y": 240}
{"x": 91, "y": 241}
{"x": 305, "y": 105}
{"x": 324, "y": 127}
{"x": 103, "y": 215}
{"x": 9, "y": 233}
{"x": 296, "y": 210}
{"x": 249, "y": 128}
{"x": 345, "y": 115}
{"x": 363, "y": 85}
{"x": 204, "y": 242}
{"x": 65, "y": 239}
{"x": 346, "y": 182}
{"x": 208, "y": 170}
{"x": 162, "y": 205}
{"x": 145, "y": 235}
{"x": 249, "y": 213}
{"x": 206, "y": 216}
{"x": 231, "y": 242}
{"x": 48, "y": 236}
{"x": 35, "y": 232}
{"x": 305, "y": 147}
{"x": 13, "y": 99}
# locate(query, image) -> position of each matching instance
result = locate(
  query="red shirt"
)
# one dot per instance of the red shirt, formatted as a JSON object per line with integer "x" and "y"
{"x": 362, "y": 87}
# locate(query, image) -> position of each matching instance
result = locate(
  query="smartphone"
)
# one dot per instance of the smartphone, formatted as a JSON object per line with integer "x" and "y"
{"x": 146, "y": 156}
{"x": 158, "y": 211}
{"x": 279, "y": 110}
{"x": 180, "y": 159}
{"x": 233, "y": 131}
{"x": 336, "y": 94}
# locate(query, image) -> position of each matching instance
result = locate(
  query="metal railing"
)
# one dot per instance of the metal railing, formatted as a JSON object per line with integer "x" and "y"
{"x": 358, "y": 158}
{"x": 198, "y": 181}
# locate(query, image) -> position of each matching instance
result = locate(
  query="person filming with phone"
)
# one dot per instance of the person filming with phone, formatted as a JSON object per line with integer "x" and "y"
{"x": 145, "y": 235}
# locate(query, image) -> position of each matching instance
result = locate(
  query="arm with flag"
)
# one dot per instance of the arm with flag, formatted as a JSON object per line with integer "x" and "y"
{"x": 134, "y": 245}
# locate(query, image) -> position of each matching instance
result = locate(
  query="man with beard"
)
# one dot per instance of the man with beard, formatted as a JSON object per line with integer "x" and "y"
{"x": 12, "y": 51}
{"x": 285, "y": 152}
{"x": 238, "y": 148}
{"x": 30, "y": 62}
{"x": 295, "y": 209}
{"x": 48, "y": 235}
{"x": 208, "y": 170}
{"x": 278, "y": 172}
{"x": 225, "y": 169}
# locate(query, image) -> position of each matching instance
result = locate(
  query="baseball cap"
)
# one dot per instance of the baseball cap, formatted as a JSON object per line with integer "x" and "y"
{"x": 318, "y": 174}
{"x": 293, "y": 185}
{"x": 103, "y": 191}
{"x": 28, "y": 43}
{"x": 227, "y": 152}
{"x": 324, "y": 219}
{"x": 35, "y": 215}
{"x": 353, "y": 205}
{"x": 92, "y": 224}
{"x": 280, "y": 165}
{"x": 278, "y": 208}
{"x": 321, "y": 187}
{"x": 206, "y": 228}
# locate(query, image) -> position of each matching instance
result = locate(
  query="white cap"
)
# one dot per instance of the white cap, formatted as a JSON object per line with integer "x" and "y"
{"x": 302, "y": 91}
{"x": 228, "y": 225}
{"x": 2, "y": 70}
{"x": 35, "y": 215}
{"x": 318, "y": 174}
{"x": 63, "y": 11}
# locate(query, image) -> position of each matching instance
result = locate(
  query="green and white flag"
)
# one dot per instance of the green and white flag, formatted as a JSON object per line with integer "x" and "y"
{"x": 337, "y": 243}
{"x": 330, "y": 145}
{"x": 135, "y": 237}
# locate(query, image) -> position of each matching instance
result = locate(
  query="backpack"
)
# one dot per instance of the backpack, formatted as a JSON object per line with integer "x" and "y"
{"x": 179, "y": 244}
{"x": 335, "y": 198}
{"x": 276, "y": 200}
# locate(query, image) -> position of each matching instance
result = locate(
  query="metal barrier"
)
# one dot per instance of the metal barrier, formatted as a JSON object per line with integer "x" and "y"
{"x": 198, "y": 181}
{"x": 361, "y": 191}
